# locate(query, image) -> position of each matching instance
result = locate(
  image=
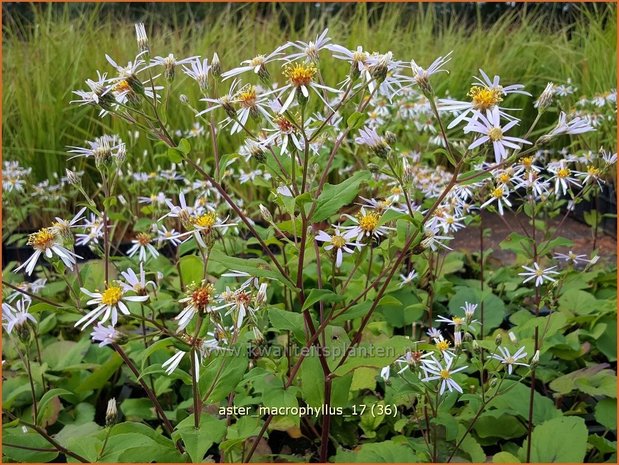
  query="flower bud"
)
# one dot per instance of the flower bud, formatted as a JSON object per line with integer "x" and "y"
{"x": 266, "y": 214}
{"x": 545, "y": 99}
{"x": 498, "y": 340}
{"x": 111, "y": 414}
{"x": 184, "y": 99}
{"x": 142, "y": 38}
{"x": 512, "y": 337}
{"x": 73, "y": 178}
{"x": 216, "y": 66}
{"x": 535, "y": 359}
{"x": 390, "y": 137}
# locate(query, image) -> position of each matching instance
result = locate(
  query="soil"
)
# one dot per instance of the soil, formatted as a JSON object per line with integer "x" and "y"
{"x": 579, "y": 233}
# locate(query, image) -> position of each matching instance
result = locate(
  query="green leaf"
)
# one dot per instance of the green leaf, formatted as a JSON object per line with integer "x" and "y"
{"x": 191, "y": 269}
{"x": 184, "y": 146}
{"x": 289, "y": 321}
{"x": 198, "y": 441}
{"x": 47, "y": 398}
{"x": 334, "y": 197}
{"x": 321, "y": 295}
{"x": 356, "y": 120}
{"x": 505, "y": 457}
{"x": 16, "y": 437}
{"x": 100, "y": 376}
{"x": 312, "y": 380}
{"x": 222, "y": 375}
{"x": 378, "y": 452}
{"x": 377, "y": 355}
{"x": 606, "y": 413}
{"x": 562, "y": 439}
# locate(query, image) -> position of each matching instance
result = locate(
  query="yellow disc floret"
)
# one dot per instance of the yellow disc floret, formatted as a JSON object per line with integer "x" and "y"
{"x": 42, "y": 239}
{"x": 484, "y": 98}
{"x": 300, "y": 74}
{"x": 369, "y": 221}
{"x": 112, "y": 295}
{"x": 338, "y": 241}
{"x": 205, "y": 221}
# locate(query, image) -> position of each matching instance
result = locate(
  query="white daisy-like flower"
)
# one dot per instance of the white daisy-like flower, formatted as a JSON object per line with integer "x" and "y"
{"x": 421, "y": 76}
{"x": 576, "y": 125}
{"x": 492, "y": 131}
{"x": 510, "y": 360}
{"x": 142, "y": 245}
{"x": 135, "y": 283}
{"x": 256, "y": 64}
{"x": 539, "y": 274}
{"x": 563, "y": 177}
{"x": 300, "y": 81}
{"x": 198, "y": 70}
{"x": 105, "y": 335}
{"x": 309, "y": 50}
{"x": 340, "y": 242}
{"x": 571, "y": 257}
{"x": 385, "y": 372}
{"x": 47, "y": 242}
{"x": 455, "y": 321}
{"x": 15, "y": 317}
{"x": 406, "y": 279}
{"x": 435, "y": 370}
{"x": 367, "y": 224}
{"x": 108, "y": 303}
{"x": 500, "y": 195}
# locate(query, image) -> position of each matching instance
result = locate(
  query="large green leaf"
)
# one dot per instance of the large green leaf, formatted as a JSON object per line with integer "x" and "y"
{"x": 198, "y": 441}
{"x": 334, "y": 197}
{"x": 562, "y": 439}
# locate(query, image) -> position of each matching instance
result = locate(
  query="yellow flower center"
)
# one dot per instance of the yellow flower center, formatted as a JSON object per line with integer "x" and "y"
{"x": 205, "y": 221}
{"x": 396, "y": 190}
{"x": 285, "y": 126}
{"x": 247, "y": 97}
{"x": 369, "y": 222}
{"x": 484, "y": 98}
{"x": 527, "y": 162}
{"x": 495, "y": 134}
{"x": 593, "y": 171}
{"x": 457, "y": 320}
{"x": 442, "y": 345}
{"x": 445, "y": 374}
{"x": 201, "y": 297}
{"x": 42, "y": 239}
{"x": 497, "y": 193}
{"x": 122, "y": 86}
{"x": 257, "y": 61}
{"x": 563, "y": 172}
{"x": 359, "y": 57}
{"x": 338, "y": 241}
{"x": 111, "y": 296}
{"x": 300, "y": 74}
{"x": 143, "y": 238}
{"x": 504, "y": 178}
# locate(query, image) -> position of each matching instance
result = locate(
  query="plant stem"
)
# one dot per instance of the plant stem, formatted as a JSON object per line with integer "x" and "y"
{"x": 531, "y": 403}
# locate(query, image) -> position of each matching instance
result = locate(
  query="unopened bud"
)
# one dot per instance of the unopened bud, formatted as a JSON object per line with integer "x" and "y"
{"x": 140, "y": 32}
{"x": 545, "y": 99}
{"x": 512, "y": 337}
{"x": 216, "y": 65}
{"x": 390, "y": 137}
{"x": 535, "y": 359}
{"x": 266, "y": 214}
{"x": 73, "y": 178}
{"x": 498, "y": 340}
{"x": 111, "y": 414}
{"x": 184, "y": 99}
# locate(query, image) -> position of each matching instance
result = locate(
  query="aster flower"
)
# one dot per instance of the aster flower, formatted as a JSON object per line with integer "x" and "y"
{"x": 105, "y": 335}
{"x": 108, "y": 303}
{"x": 170, "y": 63}
{"x": 256, "y": 64}
{"x": 199, "y": 300}
{"x": 421, "y": 76}
{"x": 33, "y": 287}
{"x": 576, "y": 125}
{"x": 340, "y": 242}
{"x": 101, "y": 149}
{"x": 199, "y": 72}
{"x": 47, "y": 242}
{"x": 412, "y": 358}
{"x": 571, "y": 257}
{"x": 16, "y": 317}
{"x": 142, "y": 245}
{"x": 142, "y": 38}
{"x": 357, "y": 58}
{"x": 455, "y": 321}
{"x": 539, "y": 274}
{"x": 135, "y": 283}
{"x": 492, "y": 131}
{"x": 407, "y": 278}
{"x": 377, "y": 144}
{"x": 308, "y": 50}
{"x": 510, "y": 360}
{"x": 98, "y": 94}
{"x": 563, "y": 177}
{"x": 300, "y": 81}
{"x": 367, "y": 225}
{"x": 435, "y": 370}
{"x": 499, "y": 195}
